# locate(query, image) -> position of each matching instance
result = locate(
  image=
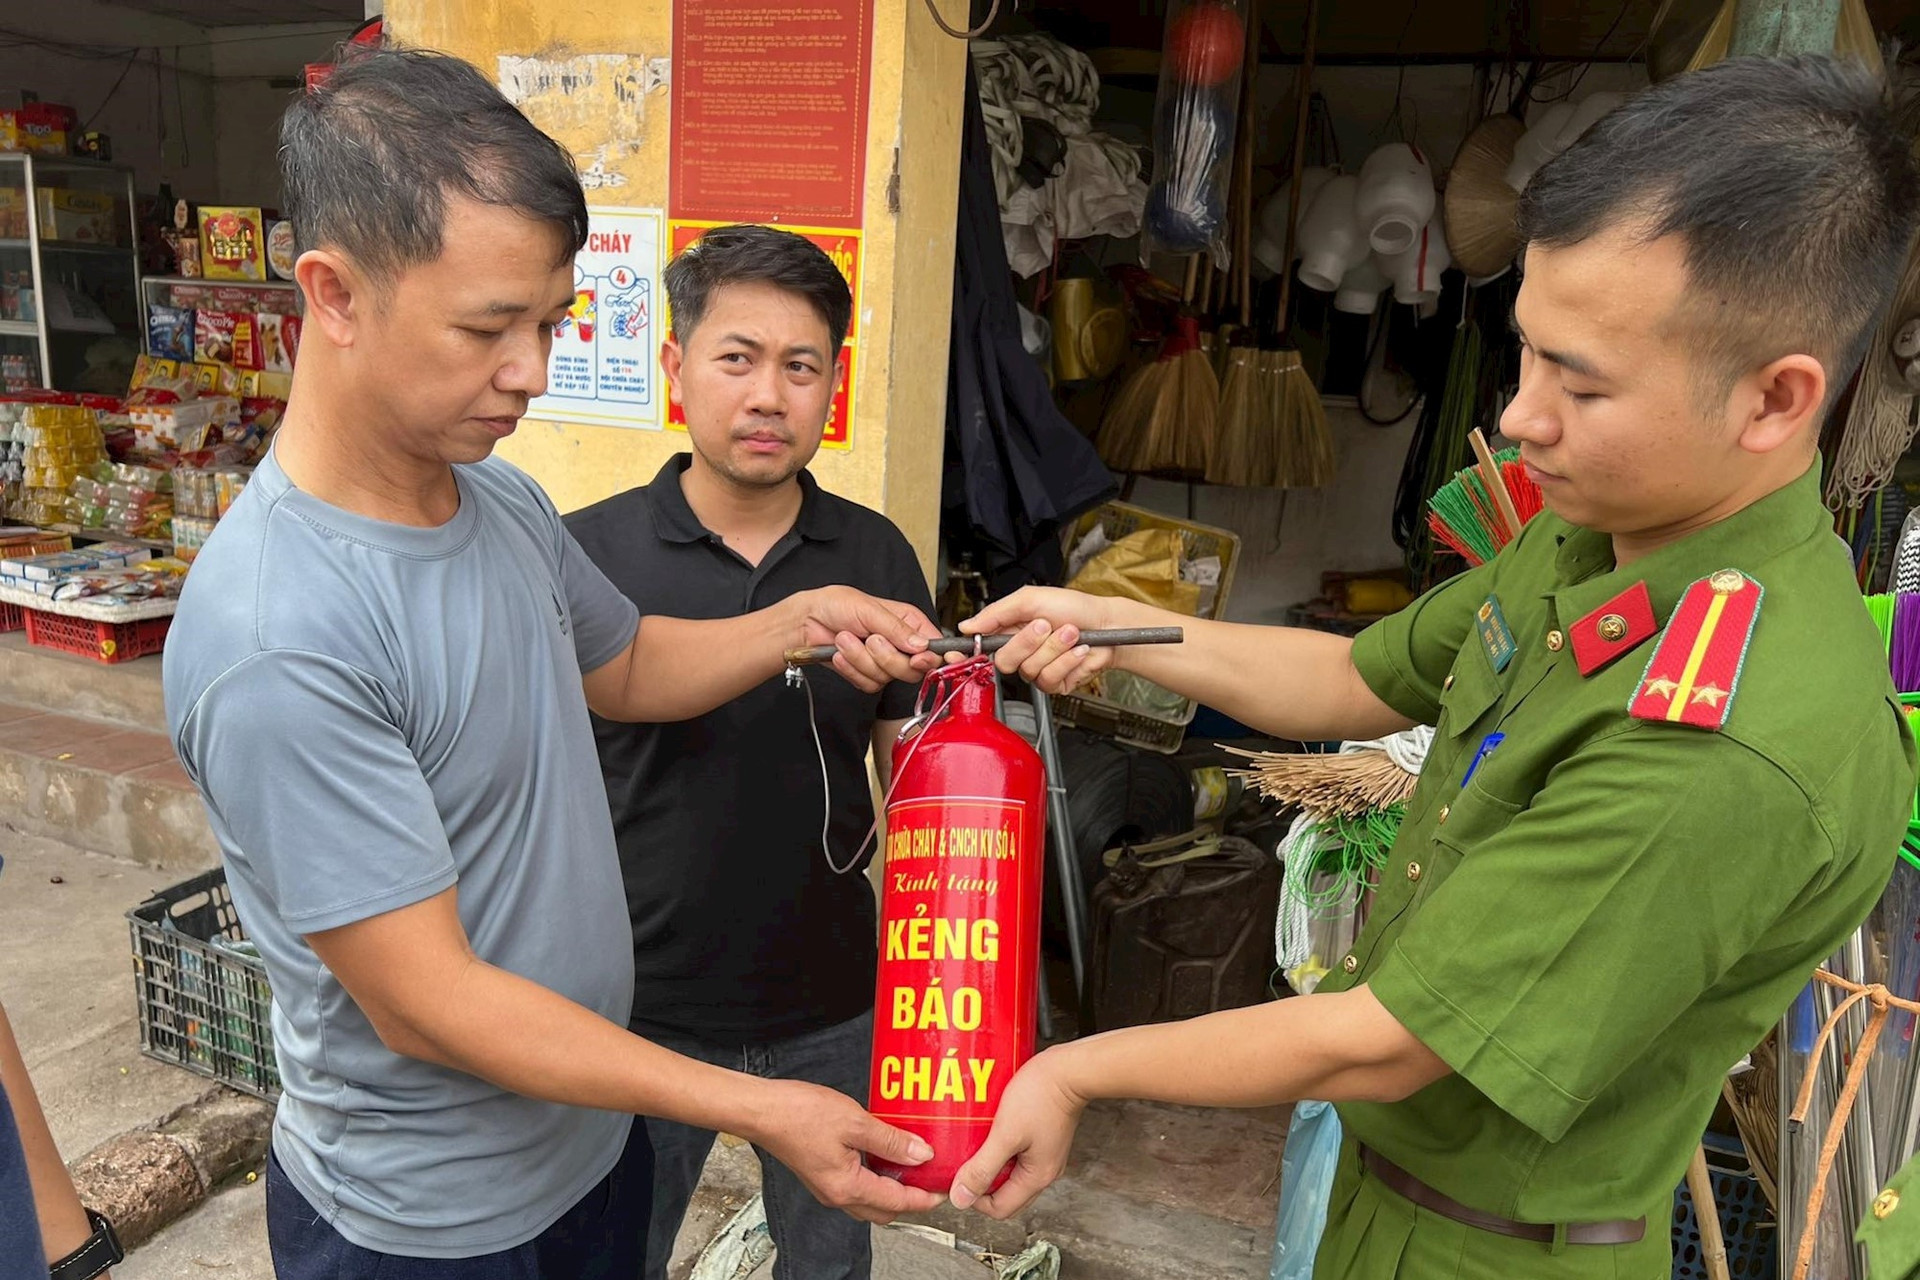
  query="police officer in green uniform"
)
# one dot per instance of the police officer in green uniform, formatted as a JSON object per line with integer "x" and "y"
{"x": 1891, "y": 1229}
{"x": 1668, "y": 776}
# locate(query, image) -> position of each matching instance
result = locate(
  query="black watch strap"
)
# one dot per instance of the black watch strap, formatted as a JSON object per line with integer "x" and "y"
{"x": 102, "y": 1250}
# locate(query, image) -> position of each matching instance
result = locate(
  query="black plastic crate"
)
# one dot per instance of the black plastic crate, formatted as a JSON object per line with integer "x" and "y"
{"x": 201, "y": 989}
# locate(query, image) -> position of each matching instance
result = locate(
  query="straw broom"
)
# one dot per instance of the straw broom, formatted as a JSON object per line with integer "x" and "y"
{"x": 1239, "y": 457}
{"x": 1121, "y": 439}
{"x": 1163, "y": 417}
{"x": 1303, "y": 451}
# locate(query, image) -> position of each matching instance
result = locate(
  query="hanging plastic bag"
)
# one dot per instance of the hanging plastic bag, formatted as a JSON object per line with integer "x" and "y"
{"x": 1777, "y": 28}
{"x": 1306, "y": 1186}
{"x": 1193, "y": 126}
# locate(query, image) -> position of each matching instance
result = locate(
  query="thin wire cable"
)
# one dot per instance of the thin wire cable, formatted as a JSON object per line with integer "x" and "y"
{"x": 106, "y": 101}
{"x": 797, "y": 676}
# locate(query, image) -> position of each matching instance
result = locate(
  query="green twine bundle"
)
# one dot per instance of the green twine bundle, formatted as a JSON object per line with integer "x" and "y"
{"x": 1355, "y": 862}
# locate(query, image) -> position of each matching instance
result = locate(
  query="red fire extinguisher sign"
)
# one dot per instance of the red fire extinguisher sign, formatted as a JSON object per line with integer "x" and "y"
{"x": 955, "y": 1003}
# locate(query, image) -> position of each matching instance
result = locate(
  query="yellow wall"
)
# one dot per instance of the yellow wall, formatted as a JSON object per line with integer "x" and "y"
{"x": 894, "y": 463}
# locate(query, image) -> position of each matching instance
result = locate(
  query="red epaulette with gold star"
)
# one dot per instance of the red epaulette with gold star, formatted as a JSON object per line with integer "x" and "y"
{"x": 1695, "y": 669}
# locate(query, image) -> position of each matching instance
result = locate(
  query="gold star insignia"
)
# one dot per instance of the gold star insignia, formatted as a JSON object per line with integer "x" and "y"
{"x": 1708, "y": 694}
{"x": 1661, "y": 688}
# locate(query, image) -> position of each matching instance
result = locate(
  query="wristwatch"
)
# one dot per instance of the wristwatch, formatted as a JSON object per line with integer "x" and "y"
{"x": 102, "y": 1250}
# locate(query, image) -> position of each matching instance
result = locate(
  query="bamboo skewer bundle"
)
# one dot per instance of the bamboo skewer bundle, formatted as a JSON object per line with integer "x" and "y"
{"x": 1349, "y": 783}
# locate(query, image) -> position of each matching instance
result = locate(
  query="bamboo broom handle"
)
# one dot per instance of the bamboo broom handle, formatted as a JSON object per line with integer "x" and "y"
{"x": 1304, "y": 99}
{"x": 1495, "y": 482}
{"x": 1706, "y": 1214}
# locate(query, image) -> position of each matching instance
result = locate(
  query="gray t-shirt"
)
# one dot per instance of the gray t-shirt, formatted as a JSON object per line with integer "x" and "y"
{"x": 373, "y": 713}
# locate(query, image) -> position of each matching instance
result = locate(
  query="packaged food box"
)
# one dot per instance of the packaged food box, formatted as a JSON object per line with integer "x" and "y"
{"x": 45, "y": 127}
{"x": 170, "y": 332}
{"x": 13, "y": 213}
{"x": 232, "y": 243}
{"x": 247, "y": 353}
{"x": 79, "y": 217}
{"x": 213, "y": 336}
{"x": 165, "y": 428}
{"x": 279, "y": 340}
{"x": 101, "y": 555}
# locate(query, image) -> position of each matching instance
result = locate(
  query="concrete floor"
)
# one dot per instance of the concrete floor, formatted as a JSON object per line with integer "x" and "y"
{"x": 66, "y": 979}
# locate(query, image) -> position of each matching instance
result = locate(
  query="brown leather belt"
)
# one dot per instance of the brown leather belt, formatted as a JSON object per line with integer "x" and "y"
{"x": 1404, "y": 1184}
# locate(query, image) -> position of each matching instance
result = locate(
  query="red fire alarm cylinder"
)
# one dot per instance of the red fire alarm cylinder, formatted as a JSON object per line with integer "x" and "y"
{"x": 956, "y": 1001}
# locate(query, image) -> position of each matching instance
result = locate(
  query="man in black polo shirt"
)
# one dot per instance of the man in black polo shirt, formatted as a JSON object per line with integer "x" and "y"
{"x": 754, "y": 942}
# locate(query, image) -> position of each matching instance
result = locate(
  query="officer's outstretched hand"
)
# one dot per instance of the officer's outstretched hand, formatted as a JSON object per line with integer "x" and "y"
{"x": 821, "y": 1136}
{"x": 1033, "y": 1128}
{"x": 1045, "y": 623}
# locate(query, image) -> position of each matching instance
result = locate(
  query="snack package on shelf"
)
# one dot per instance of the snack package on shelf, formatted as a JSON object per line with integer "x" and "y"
{"x": 170, "y": 332}
{"x": 279, "y": 340}
{"x": 213, "y": 336}
{"x": 190, "y": 533}
{"x": 58, "y": 443}
{"x": 22, "y": 572}
{"x": 232, "y": 243}
{"x": 80, "y": 217}
{"x": 152, "y": 580}
{"x": 183, "y": 427}
{"x": 246, "y": 341}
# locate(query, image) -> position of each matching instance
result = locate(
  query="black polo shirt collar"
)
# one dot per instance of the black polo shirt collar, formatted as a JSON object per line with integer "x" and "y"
{"x": 675, "y": 521}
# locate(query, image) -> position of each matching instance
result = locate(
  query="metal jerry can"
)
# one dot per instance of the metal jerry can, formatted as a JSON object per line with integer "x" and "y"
{"x": 956, "y": 1000}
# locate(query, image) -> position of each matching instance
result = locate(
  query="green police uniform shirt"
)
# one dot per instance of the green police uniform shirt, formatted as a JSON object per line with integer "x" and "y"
{"x": 1612, "y": 911}
{"x": 1891, "y": 1229}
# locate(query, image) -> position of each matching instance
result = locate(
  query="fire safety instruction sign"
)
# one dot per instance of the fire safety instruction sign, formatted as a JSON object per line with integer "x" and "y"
{"x": 605, "y": 366}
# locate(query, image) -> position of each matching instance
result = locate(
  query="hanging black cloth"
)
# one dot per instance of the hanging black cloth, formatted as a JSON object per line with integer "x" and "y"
{"x": 1016, "y": 470}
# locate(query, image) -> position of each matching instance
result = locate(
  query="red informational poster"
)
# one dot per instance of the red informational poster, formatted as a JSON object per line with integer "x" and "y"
{"x": 844, "y": 248}
{"x": 770, "y": 111}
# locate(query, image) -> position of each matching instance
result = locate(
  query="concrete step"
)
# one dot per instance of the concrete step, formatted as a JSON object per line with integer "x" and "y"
{"x": 126, "y": 693}
{"x": 101, "y": 786}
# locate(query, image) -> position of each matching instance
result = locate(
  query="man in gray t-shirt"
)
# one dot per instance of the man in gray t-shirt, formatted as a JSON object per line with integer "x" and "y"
{"x": 379, "y": 679}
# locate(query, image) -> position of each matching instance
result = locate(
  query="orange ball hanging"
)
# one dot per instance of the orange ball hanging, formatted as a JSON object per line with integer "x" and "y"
{"x": 1205, "y": 43}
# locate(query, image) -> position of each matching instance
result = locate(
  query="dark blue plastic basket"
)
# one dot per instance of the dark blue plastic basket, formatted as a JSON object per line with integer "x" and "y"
{"x": 1746, "y": 1222}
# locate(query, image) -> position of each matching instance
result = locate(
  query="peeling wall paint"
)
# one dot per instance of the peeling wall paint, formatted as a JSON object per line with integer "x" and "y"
{"x": 601, "y": 94}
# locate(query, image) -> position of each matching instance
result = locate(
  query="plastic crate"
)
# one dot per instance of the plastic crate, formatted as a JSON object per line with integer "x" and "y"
{"x": 12, "y": 617}
{"x": 203, "y": 996}
{"x": 1155, "y": 732}
{"x": 100, "y": 641}
{"x": 1746, "y": 1224}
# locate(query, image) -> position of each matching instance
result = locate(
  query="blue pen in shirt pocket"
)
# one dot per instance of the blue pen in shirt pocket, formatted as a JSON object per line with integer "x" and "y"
{"x": 1487, "y": 744}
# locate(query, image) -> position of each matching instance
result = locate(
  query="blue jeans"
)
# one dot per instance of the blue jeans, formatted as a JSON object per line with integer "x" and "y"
{"x": 814, "y": 1242}
{"x": 21, "y": 1257}
{"x": 603, "y": 1237}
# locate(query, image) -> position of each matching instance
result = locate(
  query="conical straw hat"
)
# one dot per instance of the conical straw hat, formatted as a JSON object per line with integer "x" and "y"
{"x": 1479, "y": 204}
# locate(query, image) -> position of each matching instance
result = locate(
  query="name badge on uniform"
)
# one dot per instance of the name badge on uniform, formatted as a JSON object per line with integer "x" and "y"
{"x": 1495, "y": 636}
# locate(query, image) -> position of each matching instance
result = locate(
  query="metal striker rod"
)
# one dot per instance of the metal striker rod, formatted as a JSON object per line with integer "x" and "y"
{"x": 992, "y": 644}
